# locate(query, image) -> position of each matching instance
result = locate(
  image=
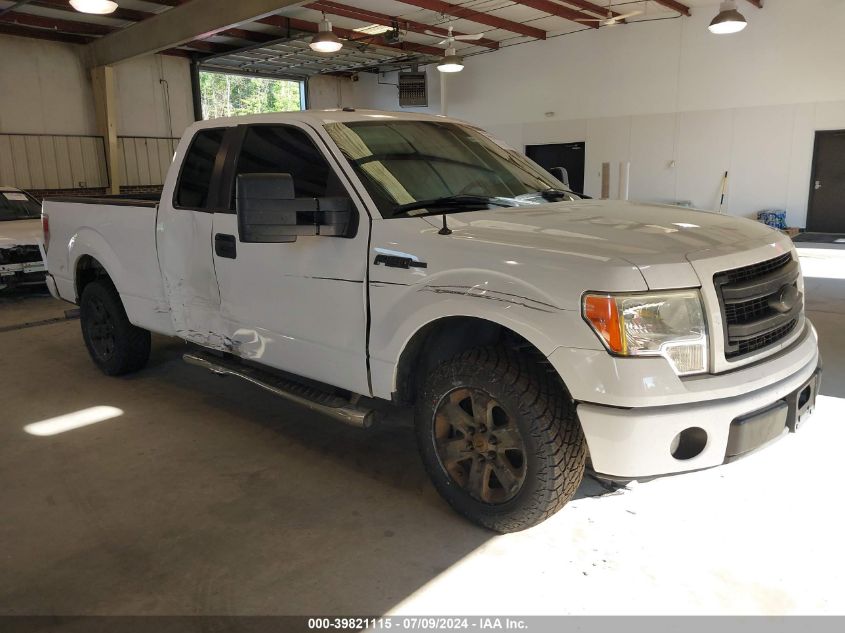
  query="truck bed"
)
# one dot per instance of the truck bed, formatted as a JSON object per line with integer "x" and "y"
{"x": 119, "y": 233}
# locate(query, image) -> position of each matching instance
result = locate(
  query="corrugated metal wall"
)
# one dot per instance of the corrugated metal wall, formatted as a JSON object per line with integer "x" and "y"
{"x": 145, "y": 160}
{"x": 40, "y": 161}
{"x": 52, "y": 162}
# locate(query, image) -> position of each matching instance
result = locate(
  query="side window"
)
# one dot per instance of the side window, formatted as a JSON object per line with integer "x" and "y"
{"x": 198, "y": 168}
{"x": 288, "y": 150}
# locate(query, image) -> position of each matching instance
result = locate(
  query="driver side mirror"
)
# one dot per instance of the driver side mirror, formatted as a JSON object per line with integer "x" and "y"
{"x": 269, "y": 211}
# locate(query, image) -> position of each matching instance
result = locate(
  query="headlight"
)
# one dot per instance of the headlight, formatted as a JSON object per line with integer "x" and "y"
{"x": 668, "y": 324}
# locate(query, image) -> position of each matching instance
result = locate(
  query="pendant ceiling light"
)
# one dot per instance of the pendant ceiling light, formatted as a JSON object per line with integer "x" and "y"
{"x": 97, "y": 7}
{"x": 728, "y": 21}
{"x": 450, "y": 63}
{"x": 325, "y": 41}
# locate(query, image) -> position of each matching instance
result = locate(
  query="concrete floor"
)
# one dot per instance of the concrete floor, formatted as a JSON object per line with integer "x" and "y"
{"x": 203, "y": 495}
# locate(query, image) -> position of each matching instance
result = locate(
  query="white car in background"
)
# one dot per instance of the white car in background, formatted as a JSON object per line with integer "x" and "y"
{"x": 21, "y": 263}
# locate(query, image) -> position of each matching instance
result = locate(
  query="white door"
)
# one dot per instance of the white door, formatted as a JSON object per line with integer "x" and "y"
{"x": 297, "y": 306}
{"x": 184, "y": 241}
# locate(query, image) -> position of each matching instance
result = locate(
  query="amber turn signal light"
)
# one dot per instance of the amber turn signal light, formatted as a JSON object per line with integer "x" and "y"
{"x": 602, "y": 313}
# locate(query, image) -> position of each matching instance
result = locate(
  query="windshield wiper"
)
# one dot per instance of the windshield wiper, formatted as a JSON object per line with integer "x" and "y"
{"x": 461, "y": 202}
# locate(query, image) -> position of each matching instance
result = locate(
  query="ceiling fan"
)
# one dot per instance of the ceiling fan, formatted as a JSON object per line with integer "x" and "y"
{"x": 610, "y": 20}
{"x": 451, "y": 39}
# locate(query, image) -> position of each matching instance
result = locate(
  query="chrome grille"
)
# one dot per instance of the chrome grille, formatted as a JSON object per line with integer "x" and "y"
{"x": 753, "y": 314}
{"x": 755, "y": 271}
{"x": 747, "y": 311}
{"x": 763, "y": 341}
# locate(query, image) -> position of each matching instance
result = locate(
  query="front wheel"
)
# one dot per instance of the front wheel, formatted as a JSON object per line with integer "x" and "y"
{"x": 500, "y": 439}
{"x": 116, "y": 346}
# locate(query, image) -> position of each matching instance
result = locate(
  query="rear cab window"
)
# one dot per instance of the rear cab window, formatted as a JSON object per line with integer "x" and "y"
{"x": 194, "y": 186}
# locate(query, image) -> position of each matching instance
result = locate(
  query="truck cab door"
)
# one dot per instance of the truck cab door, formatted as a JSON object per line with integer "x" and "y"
{"x": 184, "y": 237}
{"x": 299, "y": 305}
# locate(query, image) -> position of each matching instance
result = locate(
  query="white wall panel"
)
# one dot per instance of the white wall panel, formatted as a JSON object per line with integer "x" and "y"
{"x": 7, "y": 164}
{"x": 145, "y": 161}
{"x": 63, "y": 167}
{"x": 154, "y": 96}
{"x": 652, "y": 152}
{"x": 19, "y": 159}
{"x": 44, "y": 88}
{"x": 703, "y": 156}
{"x": 77, "y": 161}
{"x": 760, "y": 157}
{"x": 608, "y": 141}
{"x": 47, "y": 90}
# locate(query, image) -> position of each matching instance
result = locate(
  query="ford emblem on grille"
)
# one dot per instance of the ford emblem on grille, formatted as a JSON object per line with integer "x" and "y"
{"x": 785, "y": 299}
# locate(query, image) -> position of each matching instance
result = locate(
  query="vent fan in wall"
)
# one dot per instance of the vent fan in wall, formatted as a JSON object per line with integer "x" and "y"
{"x": 412, "y": 90}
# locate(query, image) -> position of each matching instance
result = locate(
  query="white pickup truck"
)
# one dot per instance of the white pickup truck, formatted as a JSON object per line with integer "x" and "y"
{"x": 340, "y": 257}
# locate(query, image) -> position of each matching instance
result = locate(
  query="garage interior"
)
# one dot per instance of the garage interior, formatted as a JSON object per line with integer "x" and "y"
{"x": 196, "y": 495}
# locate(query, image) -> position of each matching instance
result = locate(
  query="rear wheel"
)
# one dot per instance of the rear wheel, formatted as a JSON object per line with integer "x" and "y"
{"x": 116, "y": 346}
{"x": 499, "y": 438}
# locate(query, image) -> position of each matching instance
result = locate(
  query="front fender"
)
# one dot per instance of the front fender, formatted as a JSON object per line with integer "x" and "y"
{"x": 400, "y": 311}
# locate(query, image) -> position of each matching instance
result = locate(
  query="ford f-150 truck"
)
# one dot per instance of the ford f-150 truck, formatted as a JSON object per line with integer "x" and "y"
{"x": 340, "y": 257}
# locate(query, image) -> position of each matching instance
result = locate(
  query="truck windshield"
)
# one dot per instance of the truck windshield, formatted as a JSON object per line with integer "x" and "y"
{"x": 16, "y": 205}
{"x": 402, "y": 163}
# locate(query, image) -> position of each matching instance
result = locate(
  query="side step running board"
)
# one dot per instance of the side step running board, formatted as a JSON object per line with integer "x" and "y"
{"x": 310, "y": 397}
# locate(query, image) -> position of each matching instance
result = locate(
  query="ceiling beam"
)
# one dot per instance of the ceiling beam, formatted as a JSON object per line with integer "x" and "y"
{"x": 55, "y": 24}
{"x": 558, "y": 10}
{"x": 40, "y": 24}
{"x": 132, "y": 15}
{"x": 296, "y": 24}
{"x": 463, "y": 13}
{"x": 675, "y": 6}
{"x": 211, "y": 47}
{"x": 592, "y": 7}
{"x": 42, "y": 34}
{"x": 14, "y": 6}
{"x": 363, "y": 15}
{"x": 194, "y": 20}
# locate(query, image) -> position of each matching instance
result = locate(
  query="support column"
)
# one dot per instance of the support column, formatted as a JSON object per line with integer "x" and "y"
{"x": 196, "y": 93}
{"x": 105, "y": 105}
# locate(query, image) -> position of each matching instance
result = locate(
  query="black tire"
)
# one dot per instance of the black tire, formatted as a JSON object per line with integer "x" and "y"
{"x": 506, "y": 391}
{"x": 116, "y": 346}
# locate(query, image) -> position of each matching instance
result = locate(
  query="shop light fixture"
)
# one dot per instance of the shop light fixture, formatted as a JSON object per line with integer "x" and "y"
{"x": 451, "y": 62}
{"x": 97, "y": 7}
{"x": 325, "y": 41}
{"x": 728, "y": 21}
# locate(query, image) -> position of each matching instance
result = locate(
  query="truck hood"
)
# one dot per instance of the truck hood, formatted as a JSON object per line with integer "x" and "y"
{"x": 655, "y": 238}
{"x": 20, "y": 233}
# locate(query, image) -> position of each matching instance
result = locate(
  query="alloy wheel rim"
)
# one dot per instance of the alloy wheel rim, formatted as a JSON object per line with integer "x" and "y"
{"x": 479, "y": 445}
{"x": 101, "y": 330}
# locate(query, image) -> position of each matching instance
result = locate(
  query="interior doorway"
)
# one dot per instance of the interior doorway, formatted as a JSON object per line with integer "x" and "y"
{"x": 826, "y": 211}
{"x": 570, "y": 156}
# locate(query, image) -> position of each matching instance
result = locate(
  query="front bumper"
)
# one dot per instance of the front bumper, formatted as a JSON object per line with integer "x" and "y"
{"x": 638, "y": 442}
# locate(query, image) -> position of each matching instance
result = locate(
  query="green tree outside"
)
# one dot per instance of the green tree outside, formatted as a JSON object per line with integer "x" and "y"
{"x": 226, "y": 95}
